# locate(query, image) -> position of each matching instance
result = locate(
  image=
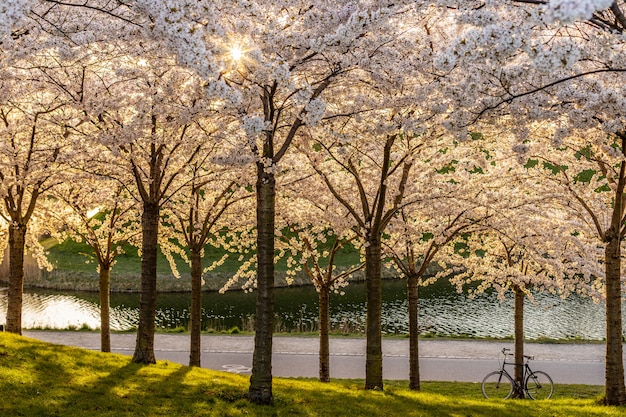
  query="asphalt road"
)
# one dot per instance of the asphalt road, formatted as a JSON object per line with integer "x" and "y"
{"x": 440, "y": 360}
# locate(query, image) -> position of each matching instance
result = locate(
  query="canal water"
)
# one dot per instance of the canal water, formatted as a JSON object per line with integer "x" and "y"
{"x": 443, "y": 311}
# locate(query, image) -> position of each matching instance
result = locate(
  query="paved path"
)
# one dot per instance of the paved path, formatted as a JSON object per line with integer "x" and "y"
{"x": 444, "y": 360}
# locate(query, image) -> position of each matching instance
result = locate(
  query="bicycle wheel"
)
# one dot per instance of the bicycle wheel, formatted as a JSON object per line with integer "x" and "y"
{"x": 539, "y": 385}
{"x": 497, "y": 385}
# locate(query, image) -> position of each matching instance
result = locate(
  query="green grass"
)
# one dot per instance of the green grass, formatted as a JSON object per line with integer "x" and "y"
{"x": 73, "y": 256}
{"x": 40, "y": 379}
{"x": 74, "y": 268}
{"x": 77, "y": 257}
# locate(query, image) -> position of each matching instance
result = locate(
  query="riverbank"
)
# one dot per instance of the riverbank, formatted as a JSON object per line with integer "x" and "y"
{"x": 60, "y": 280}
{"x": 131, "y": 282}
{"x": 73, "y": 271}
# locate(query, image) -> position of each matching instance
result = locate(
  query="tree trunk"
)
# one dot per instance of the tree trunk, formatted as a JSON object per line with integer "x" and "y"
{"x": 414, "y": 362}
{"x": 614, "y": 367}
{"x": 17, "y": 241}
{"x": 105, "y": 308}
{"x": 324, "y": 323}
{"x": 144, "y": 349}
{"x": 195, "y": 325}
{"x": 374, "y": 351}
{"x": 260, "y": 391}
{"x": 519, "y": 341}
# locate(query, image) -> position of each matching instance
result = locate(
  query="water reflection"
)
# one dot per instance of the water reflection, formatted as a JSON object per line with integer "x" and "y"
{"x": 442, "y": 311}
{"x": 54, "y": 310}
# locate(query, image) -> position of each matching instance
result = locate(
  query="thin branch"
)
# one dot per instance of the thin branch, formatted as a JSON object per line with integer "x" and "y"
{"x": 544, "y": 87}
{"x": 85, "y": 5}
{"x": 298, "y": 122}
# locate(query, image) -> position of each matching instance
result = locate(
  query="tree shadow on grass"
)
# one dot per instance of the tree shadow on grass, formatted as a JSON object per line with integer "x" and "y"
{"x": 352, "y": 401}
{"x": 29, "y": 374}
{"x": 40, "y": 379}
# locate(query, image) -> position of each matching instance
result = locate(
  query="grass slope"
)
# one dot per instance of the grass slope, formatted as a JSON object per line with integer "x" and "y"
{"x": 73, "y": 256}
{"x": 74, "y": 269}
{"x": 40, "y": 379}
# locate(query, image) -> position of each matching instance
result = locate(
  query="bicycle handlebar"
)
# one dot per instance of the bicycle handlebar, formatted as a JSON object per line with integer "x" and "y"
{"x": 506, "y": 350}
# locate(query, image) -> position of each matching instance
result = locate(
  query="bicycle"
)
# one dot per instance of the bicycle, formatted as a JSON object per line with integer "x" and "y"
{"x": 499, "y": 384}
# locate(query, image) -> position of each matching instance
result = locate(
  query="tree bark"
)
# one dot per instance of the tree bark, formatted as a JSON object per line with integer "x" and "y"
{"x": 614, "y": 366}
{"x": 17, "y": 241}
{"x": 260, "y": 390}
{"x": 105, "y": 308}
{"x": 374, "y": 352}
{"x": 324, "y": 323}
{"x": 519, "y": 341}
{"x": 144, "y": 348}
{"x": 414, "y": 363}
{"x": 195, "y": 324}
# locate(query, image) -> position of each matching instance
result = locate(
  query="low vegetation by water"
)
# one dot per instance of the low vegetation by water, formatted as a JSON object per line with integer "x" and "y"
{"x": 40, "y": 379}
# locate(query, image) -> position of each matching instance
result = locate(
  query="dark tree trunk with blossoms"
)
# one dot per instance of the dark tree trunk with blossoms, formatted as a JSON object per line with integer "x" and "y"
{"x": 614, "y": 372}
{"x": 105, "y": 307}
{"x": 518, "y": 326}
{"x": 17, "y": 241}
{"x": 260, "y": 390}
{"x": 144, "y": 348}
{"x": 195, "y": 314}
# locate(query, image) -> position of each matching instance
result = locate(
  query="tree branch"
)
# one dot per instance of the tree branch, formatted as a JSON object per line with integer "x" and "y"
{"x": 544, "y": 87}
{"x": 85, "y": 5}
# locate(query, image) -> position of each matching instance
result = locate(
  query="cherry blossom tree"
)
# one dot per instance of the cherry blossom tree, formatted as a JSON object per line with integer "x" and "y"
{"x": 206, "y": 212}
{"x": 99, "y": 212}
{"x": 32, "y": 159}
{"x": 38, "y": 121}
{"x": 144, "y": 122}
{"x": 514, "y": 263}
{"x": 327, "y": 278}
{"x": 558, "y": 62}
{"x": 273, "y": 63}
{"x": 418, "y": 235}
{"x": 316, "y": 232}
{"x": 587, "y": 167}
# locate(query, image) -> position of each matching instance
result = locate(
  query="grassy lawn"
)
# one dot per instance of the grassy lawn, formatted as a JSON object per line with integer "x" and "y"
{"x": 39, "y": 379}
{"x": 72, "y": 256}
{"x": 75, "y": 269}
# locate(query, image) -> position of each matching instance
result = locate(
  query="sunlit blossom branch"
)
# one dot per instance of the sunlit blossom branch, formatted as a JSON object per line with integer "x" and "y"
{"x": 580, "y": 199}
{"x": 86, "y": 5}
{"x": 542, "y": 88}
{"x": 339, "y": 198}
{"x": 298, "y": 122}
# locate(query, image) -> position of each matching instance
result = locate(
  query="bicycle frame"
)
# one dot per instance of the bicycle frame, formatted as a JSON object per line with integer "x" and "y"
{"x": 526, "y": 367}
{"x": 500, "y": 383}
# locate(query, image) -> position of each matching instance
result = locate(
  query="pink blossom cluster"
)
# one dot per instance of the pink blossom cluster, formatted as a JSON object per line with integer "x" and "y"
{"x": 567, "y": 11}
